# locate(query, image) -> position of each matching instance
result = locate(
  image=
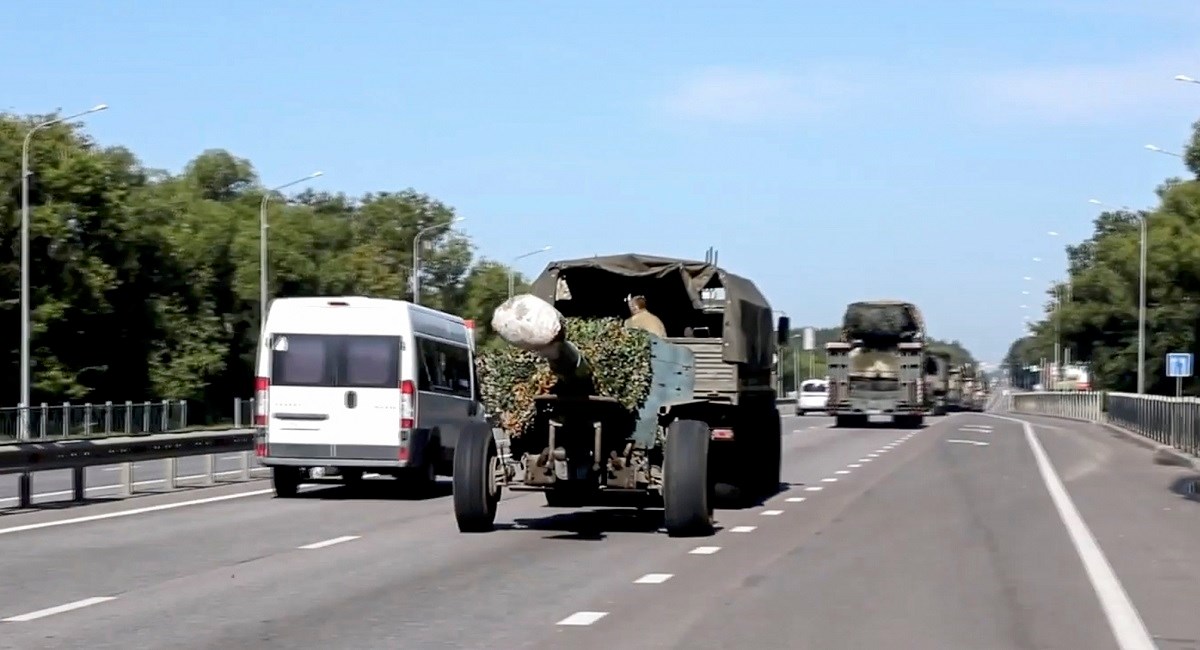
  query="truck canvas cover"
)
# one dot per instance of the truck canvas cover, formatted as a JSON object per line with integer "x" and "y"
{"x": 677, "y": 291}
{"x": 883, "y": 320}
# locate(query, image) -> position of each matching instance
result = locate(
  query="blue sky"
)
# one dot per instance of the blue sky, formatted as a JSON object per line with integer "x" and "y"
{"x": 917, "y": 150}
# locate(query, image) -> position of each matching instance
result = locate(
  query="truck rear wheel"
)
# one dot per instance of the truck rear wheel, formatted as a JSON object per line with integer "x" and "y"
{"x": 772, "y": 455}
{"x": 687, "y": 493}
{"x": 476, "y": 491}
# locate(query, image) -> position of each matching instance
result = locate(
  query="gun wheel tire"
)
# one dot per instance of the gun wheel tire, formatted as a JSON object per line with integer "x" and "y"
{"x": 687, "y": 492}
{"x": 476, "y": 485}
{"x": 285, "y": 481}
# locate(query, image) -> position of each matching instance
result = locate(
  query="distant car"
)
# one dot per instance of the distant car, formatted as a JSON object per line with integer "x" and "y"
{"x": 814, "y": 393}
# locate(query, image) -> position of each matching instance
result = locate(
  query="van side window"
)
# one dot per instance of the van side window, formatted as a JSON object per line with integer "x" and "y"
{"x": 445, "y": 368}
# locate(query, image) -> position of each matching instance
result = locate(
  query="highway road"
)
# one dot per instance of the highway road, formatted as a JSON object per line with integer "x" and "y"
{"x": 974, "y": 532}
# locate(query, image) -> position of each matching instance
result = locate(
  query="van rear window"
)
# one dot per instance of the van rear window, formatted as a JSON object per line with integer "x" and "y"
{"x": 335, "y": 361}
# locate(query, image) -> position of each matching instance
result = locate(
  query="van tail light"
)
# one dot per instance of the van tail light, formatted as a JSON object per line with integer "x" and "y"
{"x": 262, "y": 391}
{"x": 408, "y": 405}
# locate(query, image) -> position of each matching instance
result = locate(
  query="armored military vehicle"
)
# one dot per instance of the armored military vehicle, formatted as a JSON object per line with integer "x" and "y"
{"x": 878, "y": 365}
{"x": 937, "y": 382}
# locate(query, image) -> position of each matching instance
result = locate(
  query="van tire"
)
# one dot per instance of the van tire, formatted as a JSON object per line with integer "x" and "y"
{"x": 687, "y": 492}
{"x": 286, "y": 481}
{"x": 475, "y": 493}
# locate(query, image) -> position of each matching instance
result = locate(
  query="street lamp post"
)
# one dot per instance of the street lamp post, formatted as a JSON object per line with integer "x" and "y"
{"x": 1141, "y": 362}
{"x": 1186, "y": 79}
{"x": 262, "y": 248}
{"x": 1157, "y": 149}
{"x": 23, "y": 429}
{"x": 23, "y": 432}
{"x": 416, "y": 261}
{"x": 512, "y": 273}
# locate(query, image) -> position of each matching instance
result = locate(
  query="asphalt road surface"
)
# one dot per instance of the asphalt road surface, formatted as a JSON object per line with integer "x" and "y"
{"x": 975, "y": 532}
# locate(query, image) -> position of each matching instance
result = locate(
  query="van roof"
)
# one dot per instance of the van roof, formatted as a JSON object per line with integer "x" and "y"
{"x": 358, "y": 302}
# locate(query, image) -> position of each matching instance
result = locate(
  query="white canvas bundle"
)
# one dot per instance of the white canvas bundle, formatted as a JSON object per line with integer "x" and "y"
{"x": 527, "y": 322}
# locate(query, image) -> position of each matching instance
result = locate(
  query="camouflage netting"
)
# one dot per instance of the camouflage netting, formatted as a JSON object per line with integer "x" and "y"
{"x": 881, "y": 321}
{"x": 510, "y": 378}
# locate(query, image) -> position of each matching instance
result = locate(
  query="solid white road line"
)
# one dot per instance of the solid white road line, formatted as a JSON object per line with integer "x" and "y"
{"x": 329, "y": 542}
{"x": 51, "y": 611}
{"x": 1127, "y": 626}
{"x": 743, "y": 529}
{"x": 135, "y": 511}
{"x": 583, "y": 618}
{"x": 704, "y": 550}
{"x": 653, "y": 578}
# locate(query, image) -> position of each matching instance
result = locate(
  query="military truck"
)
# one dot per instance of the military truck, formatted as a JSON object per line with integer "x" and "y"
{"x": 937, "y": 381}
{"x": 877, "y": 366}
{"x": 710, "y": 418}
{"x": 954, "y": 390}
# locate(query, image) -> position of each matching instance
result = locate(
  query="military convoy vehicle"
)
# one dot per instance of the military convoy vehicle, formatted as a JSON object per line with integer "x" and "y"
{"x": 937, "y": 382}
{"x": 710, "y": 417}
{"x": 878, "y": 365}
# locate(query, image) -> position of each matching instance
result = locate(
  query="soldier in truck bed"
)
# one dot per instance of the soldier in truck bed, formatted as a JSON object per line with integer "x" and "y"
{"x": 643, "y": 319}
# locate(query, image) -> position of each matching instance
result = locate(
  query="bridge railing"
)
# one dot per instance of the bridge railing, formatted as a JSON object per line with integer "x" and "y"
{"x": 1173, "y": 421}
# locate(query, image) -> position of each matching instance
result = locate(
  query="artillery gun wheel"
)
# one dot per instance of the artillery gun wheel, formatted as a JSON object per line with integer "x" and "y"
{"x": 476, "y": 490}
{"x": 687, "y": 493}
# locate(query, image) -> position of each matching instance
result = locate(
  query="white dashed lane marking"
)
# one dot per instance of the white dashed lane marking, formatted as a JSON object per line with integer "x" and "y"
{"x": 583, "y": 618}
{"x": 329, "y": 542}
{"x": 829, "y": 480}
{"x": 772, "y": 513}
{"x": 842, "y": 471}
{"x": 704, "y": 550}
{"x": 795, "y": 499}
{"x": 743, "y": 529}
{"x": 814, "y": 488}
{"x": 854, "y": 465}
{"x": 51, "y": 611}
{"x": 653, "y": 578}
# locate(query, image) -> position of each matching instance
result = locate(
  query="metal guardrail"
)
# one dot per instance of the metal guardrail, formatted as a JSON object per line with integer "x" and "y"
{"x": 1173, "y": 421}
{"x": 67, "y": 420}
{"x": 25, "y": 458}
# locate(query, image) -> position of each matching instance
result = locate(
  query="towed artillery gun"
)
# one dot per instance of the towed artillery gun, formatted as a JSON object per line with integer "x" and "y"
{"x": 709, "y": 415}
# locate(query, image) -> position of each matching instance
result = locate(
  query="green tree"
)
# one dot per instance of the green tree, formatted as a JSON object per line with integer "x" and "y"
{"x": 1099, "y": 323}
{"x": 144, "y": 283}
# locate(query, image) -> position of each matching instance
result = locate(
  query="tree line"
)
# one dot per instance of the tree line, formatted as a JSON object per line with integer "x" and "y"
{"x": 1096, "y": 318}
{"x": 144, "y": 284}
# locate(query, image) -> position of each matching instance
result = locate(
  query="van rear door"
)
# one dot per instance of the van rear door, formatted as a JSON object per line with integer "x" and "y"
{"x": 330, "y": 394}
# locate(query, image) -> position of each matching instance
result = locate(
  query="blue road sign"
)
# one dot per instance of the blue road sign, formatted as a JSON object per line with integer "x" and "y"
{"x": 1179, "y": 364}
